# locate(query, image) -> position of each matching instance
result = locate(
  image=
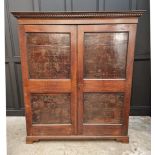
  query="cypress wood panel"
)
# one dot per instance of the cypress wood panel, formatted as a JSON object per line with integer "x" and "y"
{"x": 105, "y": 55}
{"x": 140, "y": 104}
{"x": 50, "y": 108}
{"x": 102, "y": 108}
{"x": 48, "y": 55}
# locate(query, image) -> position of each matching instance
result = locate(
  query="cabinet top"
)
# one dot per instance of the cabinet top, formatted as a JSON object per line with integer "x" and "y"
{"x": 73, "y": 14}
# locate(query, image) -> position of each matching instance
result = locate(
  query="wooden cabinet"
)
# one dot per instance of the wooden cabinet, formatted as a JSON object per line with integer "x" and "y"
{"x": 77, "y": 73}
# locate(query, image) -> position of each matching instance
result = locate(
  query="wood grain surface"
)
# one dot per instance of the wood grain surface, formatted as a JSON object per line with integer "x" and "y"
{"x": 103, "y": 108}
{"x": 48, "y": 55}
{"x": 105, "y": 55}
{"x": 50, "y": 108}
{"x": 77, "y": 78}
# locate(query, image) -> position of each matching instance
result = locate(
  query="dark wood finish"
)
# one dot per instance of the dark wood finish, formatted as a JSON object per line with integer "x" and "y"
{"x": 48, "y": 55}
{"x": 109, "y": 14}
{"x": 50, "y": 86}
{"x": 102, "y": 130}
{"x": 76, "y": 77}
{"x": 103, "y": 108}
{"x": 86, "y": 21}
{"x": 107, "y": 59}
{"x": 140, "y": 103}
{"x": 31, "y": 139}
{"x": 124, "y": 84}
{"x": 98, "y": 85}
{"x": 50, "y": 108}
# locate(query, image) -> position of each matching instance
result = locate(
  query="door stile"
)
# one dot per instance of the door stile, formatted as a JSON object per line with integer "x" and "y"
{"x": 129, "y": 73}
{"x": 74, "y": 77}
{"x": 80, "y": 79}
{"x": 28, "y": 111}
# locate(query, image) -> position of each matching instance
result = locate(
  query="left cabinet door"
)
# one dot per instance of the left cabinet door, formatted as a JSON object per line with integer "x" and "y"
{"x": 49, "y": 68}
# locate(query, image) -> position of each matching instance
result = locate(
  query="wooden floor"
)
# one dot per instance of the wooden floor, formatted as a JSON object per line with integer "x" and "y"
{"x": 139, "y": 133}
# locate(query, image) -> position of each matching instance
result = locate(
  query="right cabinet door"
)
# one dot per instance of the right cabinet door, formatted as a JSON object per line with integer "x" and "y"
{"x": 105, "y": 62}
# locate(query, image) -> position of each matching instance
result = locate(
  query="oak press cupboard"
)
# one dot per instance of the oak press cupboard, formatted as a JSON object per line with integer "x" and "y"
{"x": 77, "y": 73}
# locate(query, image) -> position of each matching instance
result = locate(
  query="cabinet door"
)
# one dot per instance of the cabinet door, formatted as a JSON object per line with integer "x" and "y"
{"x": 105, "y": 60}
{"x": 48, "y": 54}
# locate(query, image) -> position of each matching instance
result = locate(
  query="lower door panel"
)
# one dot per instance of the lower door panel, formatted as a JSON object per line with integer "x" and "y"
{"x": 102, "y": 113}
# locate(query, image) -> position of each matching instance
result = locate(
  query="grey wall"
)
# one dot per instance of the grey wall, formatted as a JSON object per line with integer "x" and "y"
{"x": 140, "y": 104}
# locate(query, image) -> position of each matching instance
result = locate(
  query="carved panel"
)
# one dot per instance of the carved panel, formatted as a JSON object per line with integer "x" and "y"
{"x": 48, "y": 55}
{"x": 50, "y": 108}
{"x": 105, "y": 55}
{"x": 103, "y": 108}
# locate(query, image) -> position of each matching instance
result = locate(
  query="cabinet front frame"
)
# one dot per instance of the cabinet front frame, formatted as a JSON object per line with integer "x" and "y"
{"x": 65, "y": 86}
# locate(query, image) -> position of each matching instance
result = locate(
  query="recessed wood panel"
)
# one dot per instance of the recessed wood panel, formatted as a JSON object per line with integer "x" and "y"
{"x": 102, "y": 108}
{"x": 48, "y": 55}
{"x": 50, "y": 108}
{"x": 105, "y": 55}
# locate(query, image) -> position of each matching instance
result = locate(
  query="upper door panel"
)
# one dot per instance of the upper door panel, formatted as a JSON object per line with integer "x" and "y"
{"x": 105, "y": 55}
{"x": 49, "y": 55}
